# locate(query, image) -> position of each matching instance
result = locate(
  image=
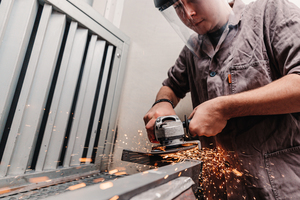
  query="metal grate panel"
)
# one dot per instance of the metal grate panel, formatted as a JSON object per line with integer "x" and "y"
{"x": 60, "y": 77}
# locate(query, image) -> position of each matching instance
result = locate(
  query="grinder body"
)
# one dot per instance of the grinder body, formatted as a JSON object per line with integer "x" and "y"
{"x": 169, "y": 131}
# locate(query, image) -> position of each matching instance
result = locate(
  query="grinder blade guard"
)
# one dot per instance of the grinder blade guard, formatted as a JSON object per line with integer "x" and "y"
{"x": 169, "y": 131}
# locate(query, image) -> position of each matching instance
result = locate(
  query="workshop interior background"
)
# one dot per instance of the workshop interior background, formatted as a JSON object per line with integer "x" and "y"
{"x": 153, "y": 49}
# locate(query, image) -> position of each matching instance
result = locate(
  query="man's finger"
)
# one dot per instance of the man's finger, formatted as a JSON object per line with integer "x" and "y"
{"x": 147, "y": 118}
{"x": 192, "y": 114}
{"x": 192, "y": 131}
{"x": 150, "y": 124}
{"x": 150, "y": 130}
{"x": 151, "y": 137}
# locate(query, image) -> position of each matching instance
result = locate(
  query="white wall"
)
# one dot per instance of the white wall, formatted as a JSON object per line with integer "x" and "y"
{"x": 296, "y": 2}
{"x": 154, "y": 48}
{"x": 110, "y": 9}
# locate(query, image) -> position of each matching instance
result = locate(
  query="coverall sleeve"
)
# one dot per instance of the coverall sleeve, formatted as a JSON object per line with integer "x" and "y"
{"x": 178, "y": 76}
{"x": 282, "y": 25}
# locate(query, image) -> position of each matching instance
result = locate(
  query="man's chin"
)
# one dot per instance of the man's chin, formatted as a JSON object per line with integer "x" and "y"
{"x": 200, "y": 32}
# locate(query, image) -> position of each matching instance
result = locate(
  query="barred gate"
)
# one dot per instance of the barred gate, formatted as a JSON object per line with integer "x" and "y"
{"x": 61, "y": 73}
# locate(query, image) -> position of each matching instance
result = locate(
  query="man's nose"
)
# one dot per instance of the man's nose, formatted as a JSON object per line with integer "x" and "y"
{"x": 190, "y": 12}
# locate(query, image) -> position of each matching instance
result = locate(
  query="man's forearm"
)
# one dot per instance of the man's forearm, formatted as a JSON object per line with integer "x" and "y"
{"x": 167, "y": 93}
{"x": 279, "y": 97}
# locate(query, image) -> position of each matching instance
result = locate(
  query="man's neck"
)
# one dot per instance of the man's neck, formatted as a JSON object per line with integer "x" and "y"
{"x": 215, "y": 36}
{"x": 225, "y": 10}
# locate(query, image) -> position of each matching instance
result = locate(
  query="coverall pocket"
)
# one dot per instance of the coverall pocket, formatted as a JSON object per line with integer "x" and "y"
{"x": 250, "y": 76}
{"x": 283, "y": 169}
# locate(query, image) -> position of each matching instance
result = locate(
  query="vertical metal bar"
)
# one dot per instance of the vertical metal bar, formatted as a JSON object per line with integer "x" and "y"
{"x": 110, "y": 115}
{"x": 5, "y": 10}
{"x": 14, "y": 132}
{"x": 114, "y": 109}
{"x": 56, "y": 97}
{"x": 66, "y": 99}
{"x": 36, "y": 99}
{"x": 84, "y": 81}
{"x": 62, "y": 98}
{"x": 88, "y": 94}
{"x": 106, "y": 127}
{"x": 15, "y": 33}
{"x": 99, "y": 103}
{"x": 27, "y": 121}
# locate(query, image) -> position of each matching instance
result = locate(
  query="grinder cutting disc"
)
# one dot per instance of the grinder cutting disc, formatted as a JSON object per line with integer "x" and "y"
{"x": 172, "y": 149}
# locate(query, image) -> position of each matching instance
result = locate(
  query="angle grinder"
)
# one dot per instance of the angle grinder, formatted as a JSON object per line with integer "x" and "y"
{"x": 169, "y": 131}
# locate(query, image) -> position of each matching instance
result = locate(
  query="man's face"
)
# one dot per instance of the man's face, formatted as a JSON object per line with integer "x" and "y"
{"x": 202, "y": 16}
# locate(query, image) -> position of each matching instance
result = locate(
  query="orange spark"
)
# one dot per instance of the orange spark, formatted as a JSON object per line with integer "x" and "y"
{"x": 120, "y": 173}
{"x": 113, "y": 171}
{"x": 114, "y": 197}
{"x": 4, "y": 190}
{"x": 98, "y": 180}
{"x": 85, "y": 160}
{"x": 106, "y": 185}
{"x": 75, "y": 187}
{"x": 38, "y": 179}
{"x": 237, "y": 173}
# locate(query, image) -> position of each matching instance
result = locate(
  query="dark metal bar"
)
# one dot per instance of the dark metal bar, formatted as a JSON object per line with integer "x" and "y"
{"x": 145, "y": 158}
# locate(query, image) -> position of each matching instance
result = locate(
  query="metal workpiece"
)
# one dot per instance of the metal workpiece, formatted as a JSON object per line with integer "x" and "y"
{"x": 130, "y": 186}
{"x": 144, "y": 158}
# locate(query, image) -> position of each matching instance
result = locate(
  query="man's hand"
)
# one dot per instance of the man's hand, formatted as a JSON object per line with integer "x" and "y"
{"x": 278, "y": 97}
{"x": 160, "y": 109}
{"x": 207, "y": 119}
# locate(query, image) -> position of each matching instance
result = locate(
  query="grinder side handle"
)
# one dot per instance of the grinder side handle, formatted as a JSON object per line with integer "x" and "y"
{"x": 186, "y": 124}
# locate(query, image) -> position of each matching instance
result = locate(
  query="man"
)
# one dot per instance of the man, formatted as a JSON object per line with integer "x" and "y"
{"x": 243, "y": 75}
